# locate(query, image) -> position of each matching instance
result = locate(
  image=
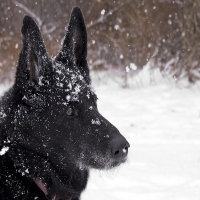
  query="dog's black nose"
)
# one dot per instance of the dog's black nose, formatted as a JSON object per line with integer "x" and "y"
{"x": 119, "y": 147}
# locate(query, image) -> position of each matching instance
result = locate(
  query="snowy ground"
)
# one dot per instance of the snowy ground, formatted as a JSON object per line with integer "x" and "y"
{"x": 162, "y": 124}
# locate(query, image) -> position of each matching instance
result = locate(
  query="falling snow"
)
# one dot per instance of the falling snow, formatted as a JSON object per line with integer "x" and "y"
{"x": 4, "y": 150}
{"x": 103, "y": 12}
{"x": 96, "y": 121}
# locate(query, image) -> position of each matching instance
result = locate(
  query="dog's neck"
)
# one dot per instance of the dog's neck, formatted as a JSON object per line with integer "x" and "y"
{"x": 57, "y": 190}
{"x": 43, "y": 187}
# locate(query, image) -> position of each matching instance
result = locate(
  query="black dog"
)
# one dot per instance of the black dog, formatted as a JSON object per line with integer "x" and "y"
{"x": 51, "y": 132}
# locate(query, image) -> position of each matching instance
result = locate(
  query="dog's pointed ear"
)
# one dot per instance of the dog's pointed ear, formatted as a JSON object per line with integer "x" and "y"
{"x": 33, "y": 57}
{"x": 74, "y": 49}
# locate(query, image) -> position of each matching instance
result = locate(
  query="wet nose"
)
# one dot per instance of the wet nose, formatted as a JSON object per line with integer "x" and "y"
{"x": 119, "y": 147}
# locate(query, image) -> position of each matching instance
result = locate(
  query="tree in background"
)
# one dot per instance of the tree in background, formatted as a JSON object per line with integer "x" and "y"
{"x": 164, "y": 32}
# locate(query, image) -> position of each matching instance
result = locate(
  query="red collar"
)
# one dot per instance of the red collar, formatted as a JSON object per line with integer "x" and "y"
{"x": 42, "y": 186}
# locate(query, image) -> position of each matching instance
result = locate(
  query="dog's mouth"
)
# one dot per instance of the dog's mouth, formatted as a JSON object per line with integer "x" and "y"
{"x": 100, "y": 161}
{"x": 105, "y": 155}
{"x": 116, "y": 162}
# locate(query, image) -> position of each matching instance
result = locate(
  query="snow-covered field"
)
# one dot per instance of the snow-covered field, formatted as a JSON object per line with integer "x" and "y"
{"x": 162, "y": 124}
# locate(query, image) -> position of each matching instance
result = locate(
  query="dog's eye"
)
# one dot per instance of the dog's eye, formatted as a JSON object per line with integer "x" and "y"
{"x": 70, "y": 111}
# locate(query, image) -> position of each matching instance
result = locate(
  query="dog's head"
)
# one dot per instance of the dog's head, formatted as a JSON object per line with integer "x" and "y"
{"x": 57, "y": 114}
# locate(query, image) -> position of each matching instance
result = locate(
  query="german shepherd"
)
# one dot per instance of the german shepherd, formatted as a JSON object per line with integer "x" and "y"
{"x": 51, "y": 132}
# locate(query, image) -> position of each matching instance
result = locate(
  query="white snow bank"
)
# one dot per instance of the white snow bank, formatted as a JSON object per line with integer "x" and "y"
{"x": 4, "y": 88}
{"x": 162, "y": 124}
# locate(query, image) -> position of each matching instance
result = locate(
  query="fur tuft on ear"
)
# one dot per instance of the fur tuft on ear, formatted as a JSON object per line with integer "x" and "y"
{"x": 29, "y": 25}
{"x": 74, "y": 49}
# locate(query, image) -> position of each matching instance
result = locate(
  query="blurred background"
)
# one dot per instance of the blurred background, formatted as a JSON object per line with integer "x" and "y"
{"x": 123, "y": 36}
{"x": 155, "y": 44}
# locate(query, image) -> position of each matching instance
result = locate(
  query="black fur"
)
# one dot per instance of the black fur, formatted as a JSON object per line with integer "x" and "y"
{"x": 50, "y": 127}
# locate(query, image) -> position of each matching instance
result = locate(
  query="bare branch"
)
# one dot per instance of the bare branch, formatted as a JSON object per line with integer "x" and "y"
{"x": 90, "y": 9}
{"x": 45, "y": 30}
{"x": 28, "y": 11}
{"x": 103, "y": 17}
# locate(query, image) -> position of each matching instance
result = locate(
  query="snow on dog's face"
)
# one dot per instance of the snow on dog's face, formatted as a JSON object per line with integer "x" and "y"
{"x": 64, "y": 123}
{"x": 88, "y": 134}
